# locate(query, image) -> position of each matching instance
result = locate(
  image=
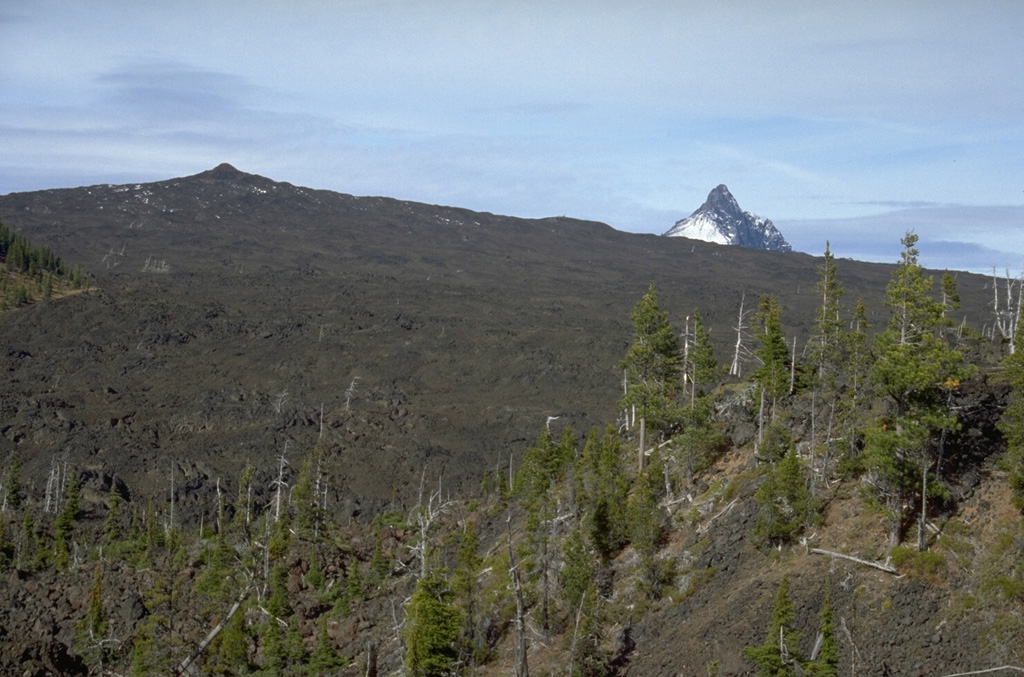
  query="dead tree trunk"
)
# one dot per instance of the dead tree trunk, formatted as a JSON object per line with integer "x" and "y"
{"x": 522, "y": 668}
{"x": 735, "y": 369}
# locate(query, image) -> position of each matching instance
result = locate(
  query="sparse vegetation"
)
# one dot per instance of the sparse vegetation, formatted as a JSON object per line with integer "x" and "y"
{"x": 274, "y": 569}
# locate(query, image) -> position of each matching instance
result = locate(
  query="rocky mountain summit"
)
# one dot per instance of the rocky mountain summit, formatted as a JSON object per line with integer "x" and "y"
{"x": 720, "y": 220}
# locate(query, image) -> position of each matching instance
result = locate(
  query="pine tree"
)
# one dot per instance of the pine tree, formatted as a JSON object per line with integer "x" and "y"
{"x": 431, "y": 629}
{"x": 577, "y": 575}
{"x": 7, "y": 549}
{"x": 777, "y": 656}
{"x": 231, "y": 651}
{"x": 12, "y": 487}
{"x": 93, "y": 627}
{"x": 645, "y": 529}
{"x": 827, "y": 341}
{"x": 543, "y": 470}
{"x": 466, "y": 593}
{"x": 772, "y": 374}
{"x": 652, "y": 368}
{"x": 1012, "y": 423}
{"x": 916, "y": 369}
{"x": 324, "y": 659}
{"x": 826, "y": 662}
{"x": 601, "y": 492}
{"x": 701, "y": 366}
{"x": 785, "y": 504}
{"x": 272, "y": 648}
{"x": 64, "y": 522}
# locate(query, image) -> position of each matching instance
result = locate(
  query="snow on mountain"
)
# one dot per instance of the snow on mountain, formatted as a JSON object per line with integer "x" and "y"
{"x": 720, "y": 220}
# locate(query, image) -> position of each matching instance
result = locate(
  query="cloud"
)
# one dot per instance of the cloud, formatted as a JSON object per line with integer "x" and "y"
{"x": 166, "y": 90}
{"x": 957, "y": 237}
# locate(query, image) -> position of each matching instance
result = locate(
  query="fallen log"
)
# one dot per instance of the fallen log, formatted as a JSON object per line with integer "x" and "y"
{"x": 883, "y": 567}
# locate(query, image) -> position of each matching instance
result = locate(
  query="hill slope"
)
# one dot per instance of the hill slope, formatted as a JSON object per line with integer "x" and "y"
{"x": 238, "y": 320}
{"x": 233, "y": 309}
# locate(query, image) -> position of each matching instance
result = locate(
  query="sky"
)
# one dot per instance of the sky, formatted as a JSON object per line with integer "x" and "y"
{"x": 849, "y": 122}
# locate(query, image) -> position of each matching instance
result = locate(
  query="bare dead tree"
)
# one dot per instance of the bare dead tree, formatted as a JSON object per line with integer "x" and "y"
{"x": 280, "y": 483}
{"x": 521, "y": 667}
{"x": 170, "y": 523}
{"x": 425, "y": 518}
{"x": 740, "y": 351}
{"x": 350, "y": 393}
{"x": 280, "y": 399}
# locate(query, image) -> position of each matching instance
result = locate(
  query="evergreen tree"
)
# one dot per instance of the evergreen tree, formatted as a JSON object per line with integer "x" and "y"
{"x": 577, "y": 575}
{"x": 777, "y": 656}
{"x": 652, "y": 368}
{"x": 950, "y": 295}
{"x": 858, "y": 360}
{"x": 7, "y": 549}
{"x": 325, "y": 659}
{"x": 826, "y": 663}
{"x": 294, "y": 649}
{"x": 12, "y": 487}
{"x": 646, "y": 531}
{"x": 272, "y": 649}
{"x": 64, "y": 522}
{"x": 772, "y": 374}
{"x": 784, "y": 502}
{"x": 243, "y": 503}
{"x": 466, "y": 593}
{"x": 915, "y": 369}
{"x": 701, "y": 366}
{"x": 827, "y": 342}
{"x": 543, "y": 470}
{"x": 93, "y": 628}
{"x": 431, "y": 629}
{"x": 601, "y": 492}
{"x": 112, "y": 527}
{"x": 231, "y": 650}
{"x": 1012, "y": 423}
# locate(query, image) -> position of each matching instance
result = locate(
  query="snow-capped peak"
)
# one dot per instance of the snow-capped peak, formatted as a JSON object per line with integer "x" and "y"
{"x": 720, "y": 220}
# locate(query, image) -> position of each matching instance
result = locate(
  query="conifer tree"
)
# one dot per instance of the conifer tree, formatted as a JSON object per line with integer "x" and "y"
{"x": 431, "y": 629}
{"x": 698, "y": 440}
{"x": 601, "y": 491}
{"x": 466, "y": 591}
{"x": 64, "y": 522}
{"x": 543, "y": 468}
{"x": 701, "y": 365}
{"x": 7, "y": 549}
{"x": 1012, "y": 423}
{"x": 784, "y": 501}
{"x": 577, "y": 574}
{"x": 645, "y": 529}
{"x": 858, "y": 361}
{"x": 231, "y": 651}
{"x": 324, "y": 659}
{"x": 652, "y": 368}
{"x": 826, "y": 662}
{"x": 777, "y": 656}
{"x": 772, "y": 373}
{"x": 914, "y": 368}
{"x": 12, "y": 487}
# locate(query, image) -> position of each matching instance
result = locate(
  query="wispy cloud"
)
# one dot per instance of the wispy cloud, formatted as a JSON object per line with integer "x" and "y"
{"x": 957, "y": 237}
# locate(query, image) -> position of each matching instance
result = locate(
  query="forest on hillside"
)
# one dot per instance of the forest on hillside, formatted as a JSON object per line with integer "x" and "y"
{"x": 546, "y": 567}
{"x": 29, "y": 274}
